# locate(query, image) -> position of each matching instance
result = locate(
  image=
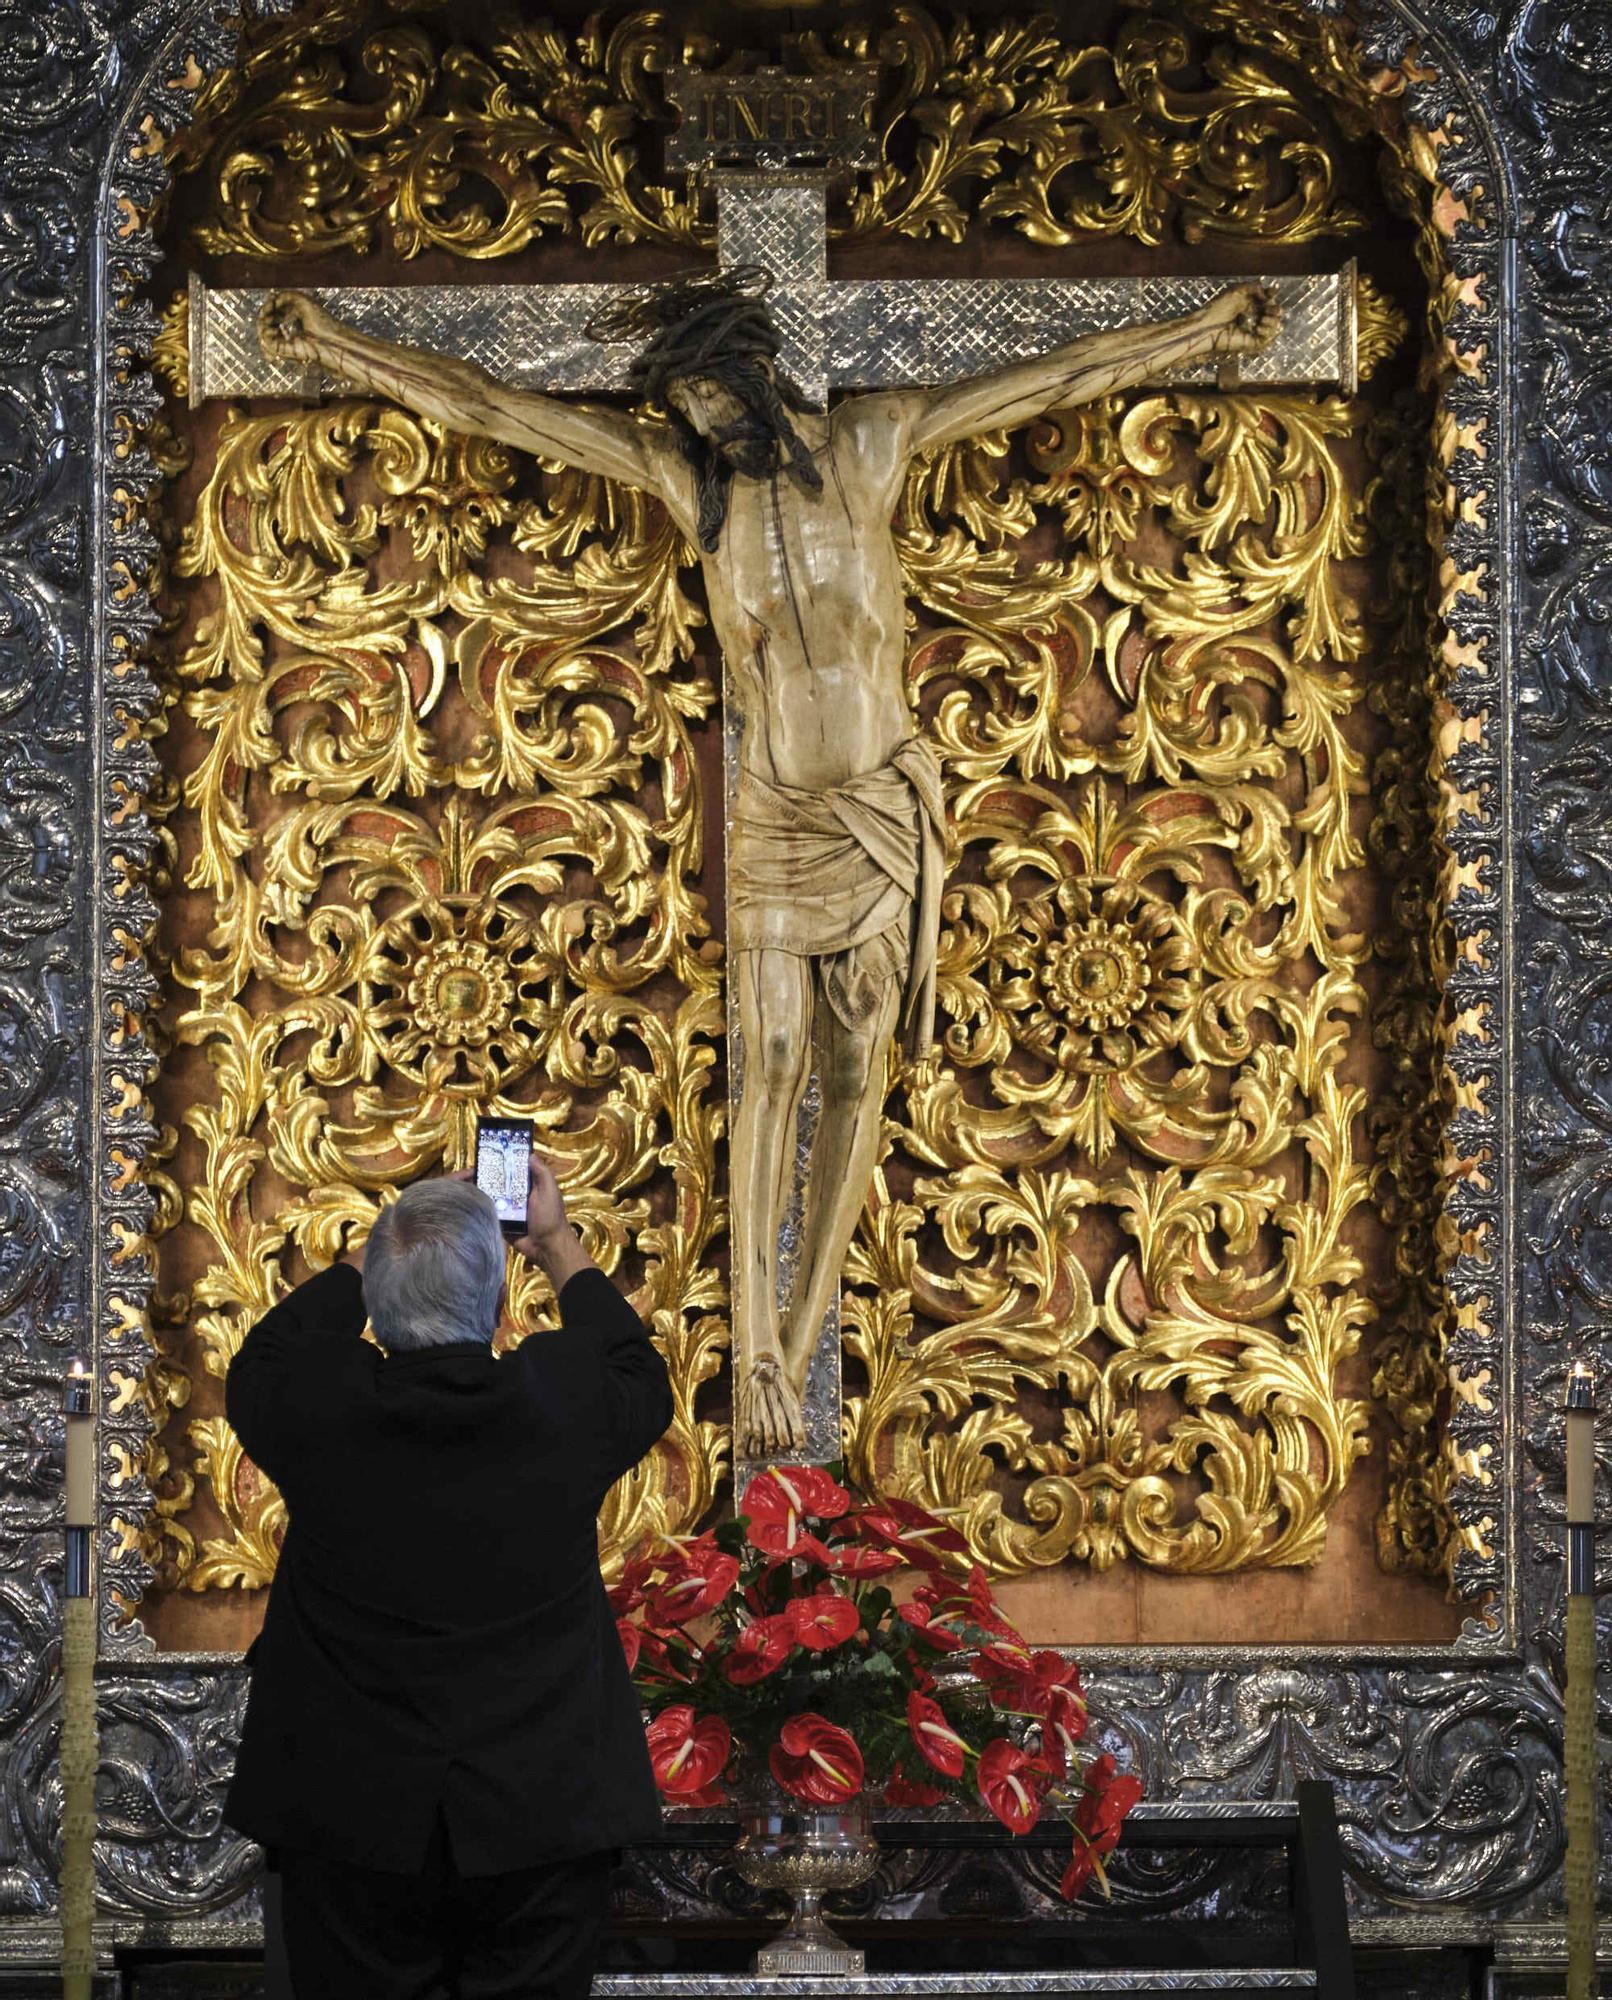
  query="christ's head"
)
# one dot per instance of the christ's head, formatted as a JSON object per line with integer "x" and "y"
{"x": 710, "y": 359}
{"x": 712, "y": 408}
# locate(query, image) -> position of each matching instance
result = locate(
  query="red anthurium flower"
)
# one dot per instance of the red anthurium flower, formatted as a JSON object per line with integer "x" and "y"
{"x": 1028, "y": 1681}
{"x": 1078, "y": 1872}
{"x": 813, "y": 1490}
{"x": 1100, "y": 1773}
{"x": 922, "y": 1612}
{"x": 938, "y": 1743}
{"x": 781, "y": 1501}
{"x": 695, "y": 1579}
{"x": 920, "y": 1537}
{"x": 628, "y": 1593}
{"x": 1045, "y": 1675}
{"x": 1104, "y": 1804}
{"x": 1004, "y": 1667}
{"x": 815, "y": 1761}
{"x": 922, "y": 1678}
{"x": 760, "y": 1649}
{"x": 631, "y": 1641}
{"x": 904, "y": 1791}
{"x": 1124, "y": 1793}
{"x": 688, "y": 1754}
{"x": 651, "y": 1654}
{"x": 1062, "y": 1727}
{"x": 985, "y": 1610}
{"x": 823, "y": 1621}
{"x": 850, "y": 1560}
{"x": 1011, "y": 1784}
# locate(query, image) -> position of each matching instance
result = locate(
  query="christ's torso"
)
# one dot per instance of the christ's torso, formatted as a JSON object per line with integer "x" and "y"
{"x": 809, "y": 606}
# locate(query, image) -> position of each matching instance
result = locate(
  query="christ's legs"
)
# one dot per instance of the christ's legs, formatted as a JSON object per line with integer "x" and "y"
{"x": 844, "y": 1150}
{"x": 773, "y": 991}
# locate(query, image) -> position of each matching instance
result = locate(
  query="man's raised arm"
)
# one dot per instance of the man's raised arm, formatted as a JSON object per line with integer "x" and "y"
{"x": 272, "y": 1380}
{"x": 1240, "y": 319}
{"x": 457, "y": 393}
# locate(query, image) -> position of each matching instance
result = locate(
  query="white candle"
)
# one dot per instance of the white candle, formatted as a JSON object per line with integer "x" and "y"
{"x": 1580, "y": 1445}
{"x": 79, "y": 1404}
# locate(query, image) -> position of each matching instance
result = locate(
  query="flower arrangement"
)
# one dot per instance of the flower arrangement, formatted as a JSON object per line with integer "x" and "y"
{"x": 771, "y": 1642}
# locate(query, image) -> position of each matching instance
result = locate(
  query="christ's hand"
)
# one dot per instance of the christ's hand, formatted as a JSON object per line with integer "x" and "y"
{"x": 1241, "y": 319}
{"x": 292, "y": 328}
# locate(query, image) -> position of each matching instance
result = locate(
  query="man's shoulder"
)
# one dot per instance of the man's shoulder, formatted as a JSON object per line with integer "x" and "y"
{"x": 870, "y": 439}
{"x": 550, "y": 1350}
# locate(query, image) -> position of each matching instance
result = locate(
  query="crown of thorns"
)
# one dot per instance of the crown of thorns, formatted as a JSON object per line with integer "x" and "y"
{"x": 650, "y": 309}
{"x": 699, "y": 325}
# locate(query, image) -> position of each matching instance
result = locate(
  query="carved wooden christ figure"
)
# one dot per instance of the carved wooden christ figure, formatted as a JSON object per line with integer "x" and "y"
{"x": 836, "y": 846}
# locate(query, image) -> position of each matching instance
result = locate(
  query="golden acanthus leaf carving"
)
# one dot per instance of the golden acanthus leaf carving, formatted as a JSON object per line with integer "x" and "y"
{"x": 1381, "y": 328}
{"x": 1081, "y": 1358}
{"x": 481, "y": 151}
{"x": 1137, "y": 1152}
{"x": 445, "y": 832}
{"x": 1410, "y": 1374}
{"x": 1131, "y": 1030}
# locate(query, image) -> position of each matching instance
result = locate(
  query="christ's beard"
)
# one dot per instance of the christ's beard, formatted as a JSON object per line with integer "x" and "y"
{"x": 750, "y": 446}
{"x": 753, "y": 449}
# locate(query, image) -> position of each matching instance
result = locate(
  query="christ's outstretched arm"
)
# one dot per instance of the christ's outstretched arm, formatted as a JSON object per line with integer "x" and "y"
{"x": 459, "y": 394}
{"x": 1240, "y": 319}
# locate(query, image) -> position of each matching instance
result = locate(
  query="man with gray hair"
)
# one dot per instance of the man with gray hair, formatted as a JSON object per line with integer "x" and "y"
{"x": 442, "y": 1748}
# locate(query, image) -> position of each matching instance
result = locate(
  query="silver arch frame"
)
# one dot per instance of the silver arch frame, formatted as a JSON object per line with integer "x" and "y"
{"x": 1446, "y": 1759}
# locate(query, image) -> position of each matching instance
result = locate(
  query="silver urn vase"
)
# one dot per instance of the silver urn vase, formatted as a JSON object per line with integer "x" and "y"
{"x": 807, "y": 1854}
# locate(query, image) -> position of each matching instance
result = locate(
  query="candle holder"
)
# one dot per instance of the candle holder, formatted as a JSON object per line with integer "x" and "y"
{"x": 1579, "y": 1748}
{"x": 80, "y": 1750}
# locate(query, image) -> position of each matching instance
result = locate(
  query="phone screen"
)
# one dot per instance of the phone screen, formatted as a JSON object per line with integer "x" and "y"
{"x": 504, "y": 1167}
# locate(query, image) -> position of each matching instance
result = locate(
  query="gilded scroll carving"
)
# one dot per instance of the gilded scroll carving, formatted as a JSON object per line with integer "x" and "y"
{"x": 1135, "y": 1058}
{"x": 1130, "y": 1182}
{"x": 1471, "y": 1742}
{"x": 481, "y": 152}
{"x": 445, "y": 833}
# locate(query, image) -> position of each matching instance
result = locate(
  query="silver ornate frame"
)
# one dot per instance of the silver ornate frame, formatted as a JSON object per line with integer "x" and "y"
{"x": 1446, "y": 1759}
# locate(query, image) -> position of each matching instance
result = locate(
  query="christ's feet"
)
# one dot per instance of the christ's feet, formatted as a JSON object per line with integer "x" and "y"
{"x": 1243, "y": 319}
{"x": 768, "y": 1422}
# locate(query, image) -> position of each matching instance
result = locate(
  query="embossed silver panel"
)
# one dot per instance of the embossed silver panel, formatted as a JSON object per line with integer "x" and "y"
{"x": 780, "y": 222}
{"x": 896, "y": 333}
{"x": 942, "y": 1985}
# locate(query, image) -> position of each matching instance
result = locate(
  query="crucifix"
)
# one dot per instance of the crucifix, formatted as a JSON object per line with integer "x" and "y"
{"x": 836, "y": 828}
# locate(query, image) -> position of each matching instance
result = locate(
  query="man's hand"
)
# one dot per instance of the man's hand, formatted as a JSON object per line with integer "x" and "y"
{"x": 550, "y": 1240}
{"x": 292, "y": 328}
{"x": 545, "y": 1205}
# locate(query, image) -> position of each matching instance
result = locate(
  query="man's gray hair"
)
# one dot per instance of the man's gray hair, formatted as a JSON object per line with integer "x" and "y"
{"x": 434, "y": 1267}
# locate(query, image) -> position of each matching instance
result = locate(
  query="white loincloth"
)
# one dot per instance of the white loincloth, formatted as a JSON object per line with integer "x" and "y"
{"x": 850, "y": 878}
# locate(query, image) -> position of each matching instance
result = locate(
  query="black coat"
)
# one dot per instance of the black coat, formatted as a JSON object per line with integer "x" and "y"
{"x": 437, "y": 1632}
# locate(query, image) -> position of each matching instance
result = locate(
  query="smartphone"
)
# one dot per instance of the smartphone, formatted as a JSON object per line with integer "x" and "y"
{"x": 504, "y": 1168}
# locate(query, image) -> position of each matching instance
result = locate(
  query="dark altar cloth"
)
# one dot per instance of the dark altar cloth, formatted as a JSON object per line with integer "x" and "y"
{"x": 437, "y": 1633}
